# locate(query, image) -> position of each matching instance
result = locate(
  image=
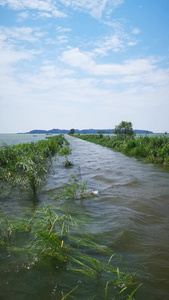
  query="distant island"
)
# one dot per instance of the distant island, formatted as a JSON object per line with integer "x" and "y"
{"x": 83, "y": 131}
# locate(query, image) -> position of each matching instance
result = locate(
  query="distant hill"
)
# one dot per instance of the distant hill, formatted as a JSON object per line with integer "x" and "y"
{"x": 142, "y": 131}
{"x": 54, "y": 131}
{"x": 83, "y": 131}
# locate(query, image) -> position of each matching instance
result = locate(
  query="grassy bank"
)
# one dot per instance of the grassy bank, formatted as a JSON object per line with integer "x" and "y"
{"x": 152, "y": 149}
{"x": 25, "y": 165}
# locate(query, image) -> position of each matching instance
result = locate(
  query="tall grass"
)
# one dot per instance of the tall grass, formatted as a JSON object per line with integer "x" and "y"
{"x": 26, "y": 165}
{"x": 48, "y": 237}
{"x": 152, "y": 149}
{"x": 74, "y": 190}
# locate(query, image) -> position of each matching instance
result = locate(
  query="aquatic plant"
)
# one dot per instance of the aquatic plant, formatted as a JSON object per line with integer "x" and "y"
{"x": 121, "y": 291}
{"x": 67, "y": 163}
{"x": 48, "y": 237}
{"x": 74, "y": 190}
{"x": 48, "y": 230}
{"x": 64, "y": 297}
{"x": 26, "y": 165}
{"x": 9, "y": 227}
{"x": 5, "y": 229}
{"x": 65, "y": 151}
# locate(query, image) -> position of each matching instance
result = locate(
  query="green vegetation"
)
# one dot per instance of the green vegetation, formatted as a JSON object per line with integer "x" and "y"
{"x": 67, "y": 163}
{"x": 74, "y": 190}
{"x": 50, "y": 235}
{"x": 65, "y": 151}
{"x": 124, "y": 130}
{"x": 152, "y": 149}
{"x": 47, "y": 236}
{"x": 72, "y": 131}
{"x": 26, "y": 165}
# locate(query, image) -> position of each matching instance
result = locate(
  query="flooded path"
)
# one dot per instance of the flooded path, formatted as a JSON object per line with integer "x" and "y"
{"x": 132, "y": 210}
{"x": 129, "y": 215}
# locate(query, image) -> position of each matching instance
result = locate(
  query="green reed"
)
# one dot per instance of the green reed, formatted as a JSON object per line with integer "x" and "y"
{"x": 6, "y": 229}
{"x": 67, "y": 163}
{"x": 74, "y": 190}
{"x": 152, "y": 149}
{"x": 65, "y": 151}
{"x": 26, "y": 165}
{"x": 48, "y": 236}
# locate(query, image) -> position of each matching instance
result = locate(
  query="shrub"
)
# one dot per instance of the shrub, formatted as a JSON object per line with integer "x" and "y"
{"x": 152, "y": 149}
{"x": 26, "y": 165}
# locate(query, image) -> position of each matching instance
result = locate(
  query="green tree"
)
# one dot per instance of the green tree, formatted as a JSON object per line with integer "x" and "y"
{"x": 72, "y": 131}
{"x": 124, "y": 129}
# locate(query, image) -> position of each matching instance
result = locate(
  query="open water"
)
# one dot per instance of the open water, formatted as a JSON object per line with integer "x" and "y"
{"x": 129, "y": 215}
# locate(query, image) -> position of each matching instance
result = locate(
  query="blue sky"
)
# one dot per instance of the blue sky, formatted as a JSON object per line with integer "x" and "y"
{"x": 84, "y": 64}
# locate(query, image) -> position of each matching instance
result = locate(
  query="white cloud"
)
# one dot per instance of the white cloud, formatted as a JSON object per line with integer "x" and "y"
{"x": 9, "y": 56}
{"x": 58, "y": 92}
{"x": 56, "y": 13}
{"x": 49, "y": 7}
{"x": 118, "y": 41}
{"x": 116, "y": 25}
{"x": 75, "y": 58}
{"x": 21, "y": 33}
{"x": 22, "y": 16}
{"x": 94, "y": 7}
{"x": 62, "y": 39}
{"x": 68, "y": 88}
{"x": 62, "y": 36}
{"x": 61, "y": 29}
{"x": 45, "y": 6}
{"x": 113, "y": 43}
{"x": 45, "y": 15}
{"x": 53, "y": 92}
{"x": 136, "y": 31}
{"x": 10, "y": 86}
{"x": 83, "y": 60}
{"x": 131, "y": 44}
{"x": 52, "y": 71}
{"x": 14, "y": 35}
{"x": 32, "y": 4}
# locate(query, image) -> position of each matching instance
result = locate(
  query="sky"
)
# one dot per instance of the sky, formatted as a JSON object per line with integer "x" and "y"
{"x": 84, "y": 64}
